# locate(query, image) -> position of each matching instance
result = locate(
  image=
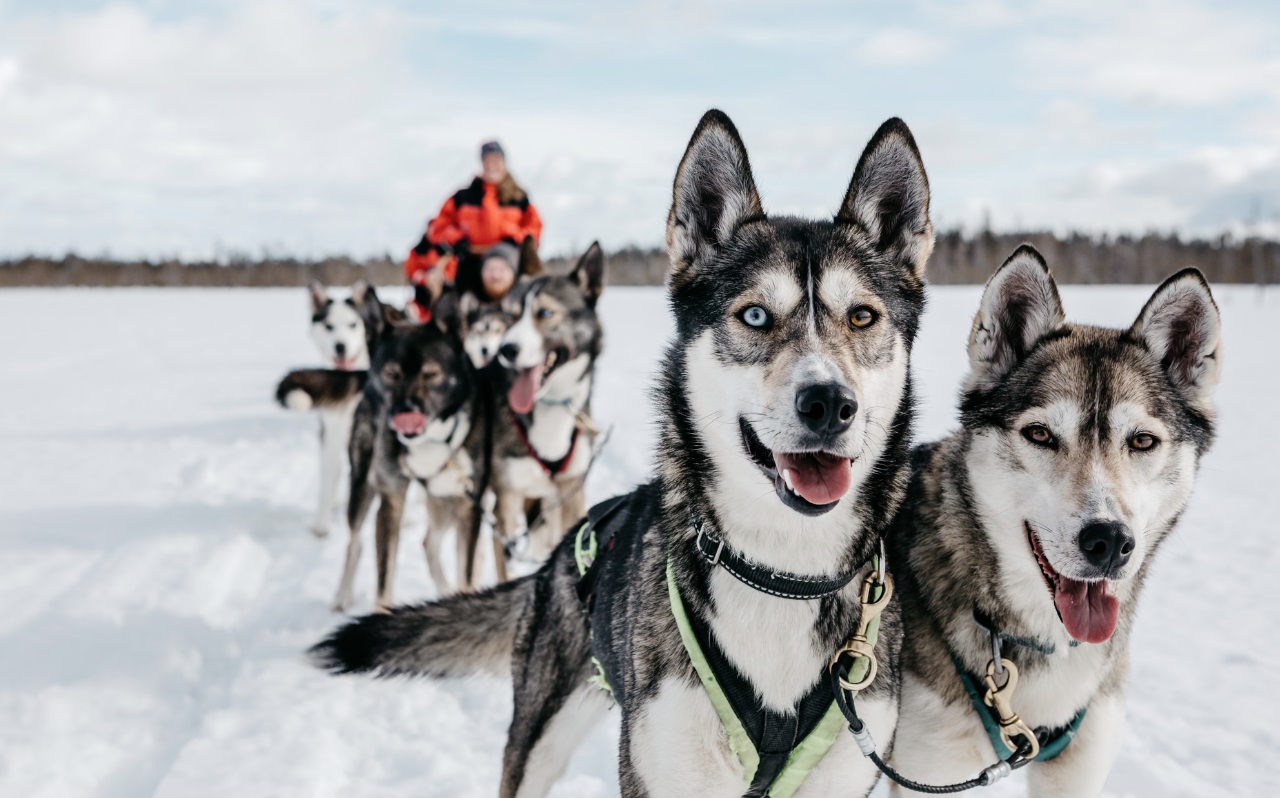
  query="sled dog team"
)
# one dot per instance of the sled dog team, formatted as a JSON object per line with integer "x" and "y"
{"x": 799, "y": 601}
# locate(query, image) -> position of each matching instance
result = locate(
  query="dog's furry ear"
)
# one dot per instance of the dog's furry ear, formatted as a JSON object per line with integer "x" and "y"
{"x": 468, "y": 303}
{"x": 360, "y": 289}
{"x": 530, "y": 262}
{"x": 318, "y": 294}
{"x": 446, "y": 313}
{"x": 1180, "y": 325}
{"x": 589, "y": 273}
{"x": 713, "y": 195}
{"x": 888, "y": 197}
{"x": 372, "y": 312}
{"x": 1020, "y": 305}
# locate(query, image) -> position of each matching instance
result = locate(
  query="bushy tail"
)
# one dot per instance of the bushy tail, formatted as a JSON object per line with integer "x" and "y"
{"x": 456, "y": 636}
{"x": 304, "y": 389}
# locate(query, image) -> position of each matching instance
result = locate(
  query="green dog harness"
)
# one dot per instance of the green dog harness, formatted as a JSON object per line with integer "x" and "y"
{"x": 775, "y": 774}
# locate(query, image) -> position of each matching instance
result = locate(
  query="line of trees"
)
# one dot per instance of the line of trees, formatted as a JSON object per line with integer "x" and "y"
{"x": 957, "y": 259}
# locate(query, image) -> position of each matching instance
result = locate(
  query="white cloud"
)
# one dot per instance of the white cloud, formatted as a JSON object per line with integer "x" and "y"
{"x": 340, "y": 129}
{"x": 899, "y": 46}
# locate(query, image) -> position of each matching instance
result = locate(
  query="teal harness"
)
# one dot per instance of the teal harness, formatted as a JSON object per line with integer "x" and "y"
{"x": 1053, "y": 744}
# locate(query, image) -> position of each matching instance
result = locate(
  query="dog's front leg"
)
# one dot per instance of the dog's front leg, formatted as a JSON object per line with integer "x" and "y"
{"x": 511, "y": 519}
{"x": 1081, "y": 770}
{"x": 335, "y": 433}
{"x": 440, "y": 513}
{"x": 386, "y": 541}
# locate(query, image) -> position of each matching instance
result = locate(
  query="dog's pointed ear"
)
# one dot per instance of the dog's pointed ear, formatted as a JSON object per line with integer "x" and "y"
{"x": 318, "y": 294}
{"x": 468, "y": 303}
{"x": 1181, "y": 326}
{"x": 714, "y": 193}
{"x": 888, "y": 197}
{"x": 446, "y": 313}
{"x": 530, "y": 262}
{"x": 1019, "y": 306}
{"x": 360, "y": 289}
{"x": 589, "y": 273}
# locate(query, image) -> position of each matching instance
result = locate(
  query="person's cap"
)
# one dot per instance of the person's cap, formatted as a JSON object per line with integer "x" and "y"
{"x": 490, "y": 148}
{"x": 506, "y": 252}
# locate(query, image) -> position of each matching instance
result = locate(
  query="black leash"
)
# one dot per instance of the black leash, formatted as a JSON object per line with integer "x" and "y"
{"x": 862, "y": 736}
{"x": 774, "y": 583}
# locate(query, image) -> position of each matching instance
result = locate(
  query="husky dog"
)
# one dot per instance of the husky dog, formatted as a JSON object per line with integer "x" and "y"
{"x": 413, "y": 422}
{"x": 785, "y": 413}
{"x": 345, "y": 331}
{"x": 542, "y": 445}
{"x": 1036, "y": 521}
{"x": 482, "y": 326}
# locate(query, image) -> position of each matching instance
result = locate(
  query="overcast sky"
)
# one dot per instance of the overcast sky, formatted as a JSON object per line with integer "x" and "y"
{"x": 310, "y": 128}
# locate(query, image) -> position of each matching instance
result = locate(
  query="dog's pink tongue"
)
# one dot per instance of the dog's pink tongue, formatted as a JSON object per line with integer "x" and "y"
{"x": 525, "y": 389}
{"x": 819, "y": 478}
{"x": 409, "y": 423}
{"x": 1088, "y": 609}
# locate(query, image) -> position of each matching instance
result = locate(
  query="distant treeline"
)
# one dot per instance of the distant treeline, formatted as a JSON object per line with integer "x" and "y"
{"x": 956, "y": 259}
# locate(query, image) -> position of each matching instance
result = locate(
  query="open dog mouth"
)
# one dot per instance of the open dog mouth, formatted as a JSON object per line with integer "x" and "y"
{"x": 808, "y": 482}
{"x": 1088, "y": 610}
{"x": 342, "y": 363}
{"x": 524, "y": 390}
{"x": 409, "y": 425}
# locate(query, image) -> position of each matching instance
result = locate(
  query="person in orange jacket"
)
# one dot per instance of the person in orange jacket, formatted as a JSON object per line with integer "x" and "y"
{"x": 494, "y": 209}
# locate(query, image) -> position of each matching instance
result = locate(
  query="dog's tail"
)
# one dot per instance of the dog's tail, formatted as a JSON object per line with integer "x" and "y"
{"x": 304, "y": 389}
{"x": 459, "y": 635}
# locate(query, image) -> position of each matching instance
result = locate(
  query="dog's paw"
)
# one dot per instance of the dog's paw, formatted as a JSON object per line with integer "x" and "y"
{"x": 298, "y": 400}
{"x": 342, "y": 603}
{"x": 320, "y": 531}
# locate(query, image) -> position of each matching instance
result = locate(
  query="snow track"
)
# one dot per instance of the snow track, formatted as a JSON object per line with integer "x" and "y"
{"x": 159, "y": 582}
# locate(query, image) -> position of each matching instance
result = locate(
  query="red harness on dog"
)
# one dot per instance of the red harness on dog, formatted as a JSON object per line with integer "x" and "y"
{"x": 552, "y": 467}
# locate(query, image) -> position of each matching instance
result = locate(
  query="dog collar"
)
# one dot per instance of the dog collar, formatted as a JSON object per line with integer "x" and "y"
{"x": 757, "y": 577}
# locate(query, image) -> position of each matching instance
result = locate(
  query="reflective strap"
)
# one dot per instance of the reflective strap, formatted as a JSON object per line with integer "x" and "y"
{"x": 584, "y": 555}
{"x": 1048, "y": 750}
{"x": 806, "y": 756}
{"x": 739, "y": 742}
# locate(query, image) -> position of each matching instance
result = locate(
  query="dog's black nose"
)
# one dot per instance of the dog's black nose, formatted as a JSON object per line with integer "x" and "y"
{"x": 340, "y": 349}
{"x": 826, "y": 408}
{"x": 1106, "y": 545}
{"x": 509, "y": 352}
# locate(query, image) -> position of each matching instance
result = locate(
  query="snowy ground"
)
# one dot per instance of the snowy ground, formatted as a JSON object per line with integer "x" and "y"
{"x": 159, "y": 582}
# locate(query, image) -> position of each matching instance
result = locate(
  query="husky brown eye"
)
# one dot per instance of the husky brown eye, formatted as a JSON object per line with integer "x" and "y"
{"x": 862, "y": 316}
{"x": 391, "y": 373}
{"x": 1143, "y": 442}
{"x": 1040, "y": 435}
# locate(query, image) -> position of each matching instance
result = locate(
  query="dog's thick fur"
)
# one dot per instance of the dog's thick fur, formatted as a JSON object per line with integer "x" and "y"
{"x": 1049, "y": 446}
{"x": 345, "y": 331}
{"x": 728, "y": 404}
{"x": 419, "y": 372}
{"x": 554, "y": 330}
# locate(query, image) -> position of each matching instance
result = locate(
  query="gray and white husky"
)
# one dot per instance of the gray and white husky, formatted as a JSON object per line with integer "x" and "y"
{"x": 1037, "y": 521}
{"x": 543, "y": 437}
{"x": 785, "y": 412}
{"x": 345, "y": 330}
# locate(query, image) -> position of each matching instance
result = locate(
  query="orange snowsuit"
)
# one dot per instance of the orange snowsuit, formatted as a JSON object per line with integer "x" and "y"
{"x": 481, "y": 215}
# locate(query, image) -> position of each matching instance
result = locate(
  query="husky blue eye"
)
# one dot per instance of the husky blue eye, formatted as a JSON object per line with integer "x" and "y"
{"x": 755, "y": 316}
{"x": 544, "y": 313}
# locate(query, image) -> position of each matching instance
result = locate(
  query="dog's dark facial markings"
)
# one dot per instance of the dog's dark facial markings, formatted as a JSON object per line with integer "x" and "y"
{"x": 823, "y": 314}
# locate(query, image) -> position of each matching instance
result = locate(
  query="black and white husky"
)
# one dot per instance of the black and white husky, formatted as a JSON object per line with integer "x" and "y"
{"x": 345, "y": 330}
{"x": 785, "y": 413}
{"x": 1037, "y": 520}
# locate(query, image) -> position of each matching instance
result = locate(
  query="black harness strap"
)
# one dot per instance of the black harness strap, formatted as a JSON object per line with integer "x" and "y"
{"x": 598, "y": 518}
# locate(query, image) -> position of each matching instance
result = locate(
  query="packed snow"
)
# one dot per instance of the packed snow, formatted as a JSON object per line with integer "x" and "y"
{"x": 160, "y": 583}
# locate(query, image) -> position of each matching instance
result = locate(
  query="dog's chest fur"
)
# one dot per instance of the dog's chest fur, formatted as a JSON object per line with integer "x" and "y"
{"x": 426, "y": 459}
